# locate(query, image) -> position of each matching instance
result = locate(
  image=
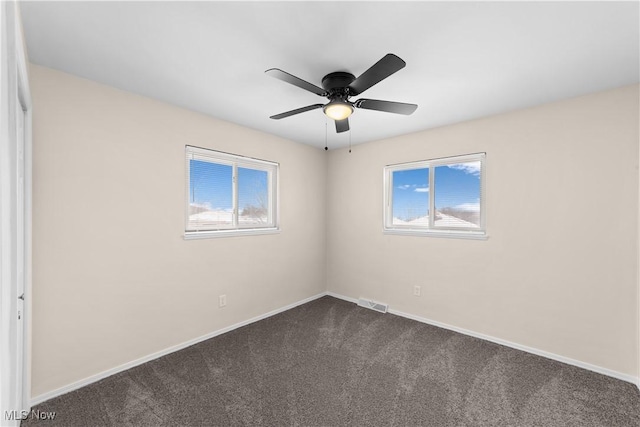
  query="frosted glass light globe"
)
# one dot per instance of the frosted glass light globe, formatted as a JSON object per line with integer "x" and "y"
{"x": 338, "y": 110}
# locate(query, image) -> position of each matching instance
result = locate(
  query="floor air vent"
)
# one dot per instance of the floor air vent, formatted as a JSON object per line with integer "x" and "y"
{"x": 377, "y": 306}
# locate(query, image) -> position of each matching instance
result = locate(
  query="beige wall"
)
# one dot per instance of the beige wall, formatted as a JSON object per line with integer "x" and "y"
{"x": 112, "y": 284}
{"x": 559, "y": 270}
{"x": 113, "y": 279}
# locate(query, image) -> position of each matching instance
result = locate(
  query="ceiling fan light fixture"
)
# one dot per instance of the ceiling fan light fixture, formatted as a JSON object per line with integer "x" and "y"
{"x": 339, "y": 86}
{"x": 338, "y": 110}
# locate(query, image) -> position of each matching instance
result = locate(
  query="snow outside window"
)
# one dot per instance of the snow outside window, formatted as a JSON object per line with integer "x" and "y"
{"x": 229, "y": 194}
{"x": 442, "y": 197}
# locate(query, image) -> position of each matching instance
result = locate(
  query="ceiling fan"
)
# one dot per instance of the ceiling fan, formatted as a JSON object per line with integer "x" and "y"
{"x": 339, "y": 86}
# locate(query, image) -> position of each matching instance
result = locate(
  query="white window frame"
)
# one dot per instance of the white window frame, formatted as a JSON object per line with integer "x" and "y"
{"x": 235, "y": 161}
{"x": 431, "y": 229}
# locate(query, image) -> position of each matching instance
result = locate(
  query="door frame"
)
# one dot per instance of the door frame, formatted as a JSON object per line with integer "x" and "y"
{"x": 15, "y": 95}
{"x": 24, "y": 95}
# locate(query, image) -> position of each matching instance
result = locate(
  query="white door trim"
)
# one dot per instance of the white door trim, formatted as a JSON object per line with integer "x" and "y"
{"x": 15, "y": 97}
{"x": 24, "y": 94}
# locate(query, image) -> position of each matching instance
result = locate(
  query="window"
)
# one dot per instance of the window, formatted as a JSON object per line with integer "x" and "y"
{"x": 436, "y": 197}
{"x": 229, "y": 194}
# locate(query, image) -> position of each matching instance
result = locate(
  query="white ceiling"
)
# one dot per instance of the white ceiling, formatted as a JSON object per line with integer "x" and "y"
{"x": 464, "y": 60}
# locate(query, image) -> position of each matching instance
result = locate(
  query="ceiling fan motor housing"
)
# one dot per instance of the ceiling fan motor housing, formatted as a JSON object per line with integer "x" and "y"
{"x": 337, "y": 84}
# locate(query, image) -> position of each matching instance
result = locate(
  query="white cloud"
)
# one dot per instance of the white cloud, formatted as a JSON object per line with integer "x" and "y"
{"x": 469, "y": 207}
{"x": 421, "y": 190}
{"x": 471, "y": 168}
{"x": 206, "y": 205}
{"x": 403, "y": 187}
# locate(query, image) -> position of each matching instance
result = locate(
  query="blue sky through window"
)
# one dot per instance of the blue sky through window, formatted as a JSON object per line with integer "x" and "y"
{"x": 210, "y": 186}
{"x": 457, "y": 186}
{"x": 252, "y": 189}
{"x": 410, "y": 193}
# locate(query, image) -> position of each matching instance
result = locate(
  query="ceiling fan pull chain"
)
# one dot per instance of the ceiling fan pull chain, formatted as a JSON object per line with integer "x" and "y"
{"x": 350, "y": 141}
{"x": 325, "y": 135}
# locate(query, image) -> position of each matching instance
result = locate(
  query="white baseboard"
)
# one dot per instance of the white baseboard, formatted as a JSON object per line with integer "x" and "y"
{"x": 538, "y": 352}
{"x": 342, "y": 297}
{"x": 97, "y": 377}
{"x": 104, "y": 374}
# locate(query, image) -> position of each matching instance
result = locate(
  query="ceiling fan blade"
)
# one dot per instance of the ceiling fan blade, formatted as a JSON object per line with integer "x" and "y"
{"x": 296, "y": 81}
{"x": 342, "y": 125}
{"x": 378, "y": 72}
{"x": 387, "y": 106}
{"x": 296, "y": 111}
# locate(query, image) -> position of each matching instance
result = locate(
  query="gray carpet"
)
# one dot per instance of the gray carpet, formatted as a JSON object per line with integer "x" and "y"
{"x": 331, "y": 363}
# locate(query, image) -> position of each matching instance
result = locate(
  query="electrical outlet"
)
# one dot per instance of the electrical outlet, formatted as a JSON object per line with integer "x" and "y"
{"x": 416, "y": 290}
{"x": 222, "y": 300}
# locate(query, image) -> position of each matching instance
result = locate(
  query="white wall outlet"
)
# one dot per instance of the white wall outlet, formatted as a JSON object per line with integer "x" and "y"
{"x": 222, "y": 300}
{"x": 417, "y": 290}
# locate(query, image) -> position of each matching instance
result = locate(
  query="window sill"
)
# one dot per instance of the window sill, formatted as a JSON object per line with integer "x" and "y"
{"x": 194, "y": 235}
{"x": 449, "y": 234}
